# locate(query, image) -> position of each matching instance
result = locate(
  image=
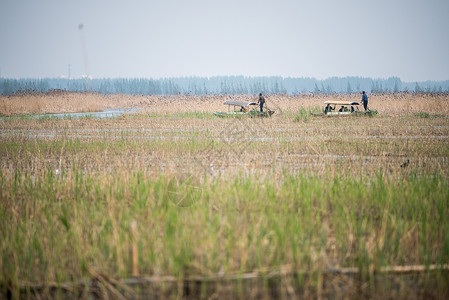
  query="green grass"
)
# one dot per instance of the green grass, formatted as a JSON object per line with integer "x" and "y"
{"x": 422, "y": 115}
{"x": 316, "y": 194}
{"x": 48, "y": 117}
{"x": 371, "y": 113}
{"x": 304, "y": 114}
{"x": 180, "y": 115}
{"x": 56, "y": 225}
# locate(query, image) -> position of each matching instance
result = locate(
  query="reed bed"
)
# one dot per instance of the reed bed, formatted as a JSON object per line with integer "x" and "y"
{"x": 61, "y": 102}
{"x": 171, "y": 196}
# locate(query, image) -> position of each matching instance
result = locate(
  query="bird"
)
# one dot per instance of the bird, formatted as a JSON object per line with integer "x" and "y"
{"x": 405, "y": 164}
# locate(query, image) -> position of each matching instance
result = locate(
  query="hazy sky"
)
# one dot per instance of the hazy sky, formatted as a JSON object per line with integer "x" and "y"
{"x": 319, "y": 38}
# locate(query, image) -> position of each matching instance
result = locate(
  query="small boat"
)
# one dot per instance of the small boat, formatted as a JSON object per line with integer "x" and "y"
{"x": 338, "y": 108}
{"x": 237, "y": 108}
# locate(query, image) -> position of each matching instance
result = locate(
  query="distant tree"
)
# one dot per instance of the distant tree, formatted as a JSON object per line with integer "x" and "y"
{"x": 348, "y": 89}
{"x": 374, "y": 87}
{"x": 417, "y": 88}
{"x": 275, "y": 88}
{"x": 323, "y": 90}
{"x": 396, "y": 87}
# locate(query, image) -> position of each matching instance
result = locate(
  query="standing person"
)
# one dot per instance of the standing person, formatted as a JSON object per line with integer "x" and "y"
{"x": 261, "y": 101}
{"x": 365, "y": 101}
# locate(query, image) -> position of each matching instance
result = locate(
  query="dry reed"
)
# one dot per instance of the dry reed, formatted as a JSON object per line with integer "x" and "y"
{"x": 168, "y": 194}
{"x": 391, "y": 104}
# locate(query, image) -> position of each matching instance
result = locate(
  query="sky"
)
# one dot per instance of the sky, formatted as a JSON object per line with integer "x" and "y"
{"x": 172, "y": 38}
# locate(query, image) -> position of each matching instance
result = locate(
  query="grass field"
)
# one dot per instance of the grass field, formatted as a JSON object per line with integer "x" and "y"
{"x": 172, "y": 193}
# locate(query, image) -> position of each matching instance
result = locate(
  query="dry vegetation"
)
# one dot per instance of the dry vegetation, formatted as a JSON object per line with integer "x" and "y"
{"x": 174, "y": 197}
{"x": 60, "y": 102}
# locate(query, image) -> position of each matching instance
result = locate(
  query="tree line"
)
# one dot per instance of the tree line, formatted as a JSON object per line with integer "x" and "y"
{"x": 221, "y": 85}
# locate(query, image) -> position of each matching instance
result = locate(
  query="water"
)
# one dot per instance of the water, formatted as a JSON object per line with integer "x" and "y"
{"x": 107, "y": 113}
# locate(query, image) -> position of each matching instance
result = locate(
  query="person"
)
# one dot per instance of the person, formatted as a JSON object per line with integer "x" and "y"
{"x": 365, "y": 100}
{"x": 261, "y": 101}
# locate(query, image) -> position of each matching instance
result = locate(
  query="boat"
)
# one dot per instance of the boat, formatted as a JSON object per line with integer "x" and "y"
{"x": 338, "y": 108}
{"x": 237, "y": 108}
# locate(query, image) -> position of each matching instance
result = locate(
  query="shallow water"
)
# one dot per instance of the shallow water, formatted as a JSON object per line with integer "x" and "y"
{"x": 107, "y": 113}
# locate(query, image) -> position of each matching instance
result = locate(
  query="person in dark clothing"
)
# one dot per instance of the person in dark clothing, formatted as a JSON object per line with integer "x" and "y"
{"x": 261, "y": 101}
{"x": 365, "y": 100}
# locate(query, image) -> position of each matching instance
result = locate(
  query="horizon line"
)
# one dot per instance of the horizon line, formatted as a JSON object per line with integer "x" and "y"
{"x": 218, "y": 76}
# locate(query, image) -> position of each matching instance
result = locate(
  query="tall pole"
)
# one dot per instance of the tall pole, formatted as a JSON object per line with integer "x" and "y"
{"x": 86, "y": 61}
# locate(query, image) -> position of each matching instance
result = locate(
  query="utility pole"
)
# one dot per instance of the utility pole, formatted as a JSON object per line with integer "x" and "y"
{"x": 69, "y": 75}
{"x": 86, "y": 62}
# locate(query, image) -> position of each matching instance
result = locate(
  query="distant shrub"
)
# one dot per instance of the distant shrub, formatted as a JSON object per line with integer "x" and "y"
{"x": 371, "y": 113}
{"x": 422, "y": 114}
{"x": 304, "y": 114}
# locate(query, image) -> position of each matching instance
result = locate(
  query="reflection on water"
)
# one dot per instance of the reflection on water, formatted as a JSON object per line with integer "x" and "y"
{"x": 107, "y": 113}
